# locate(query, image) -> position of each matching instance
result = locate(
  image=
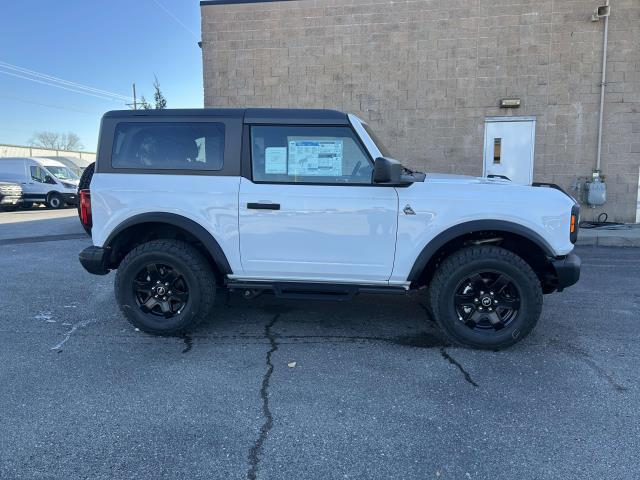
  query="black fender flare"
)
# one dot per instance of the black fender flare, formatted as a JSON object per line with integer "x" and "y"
{"x": 466, "y": 228}
{"x": 195, "y": 229}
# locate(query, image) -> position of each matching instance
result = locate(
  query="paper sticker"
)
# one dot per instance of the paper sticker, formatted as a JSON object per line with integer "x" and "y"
{"x": 275, "y": 160}
{"x": 315, "y": 158}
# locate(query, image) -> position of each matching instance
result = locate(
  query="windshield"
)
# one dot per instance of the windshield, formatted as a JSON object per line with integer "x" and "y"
{"x": 383, "y": 150}
{"x": 62, "y": 173}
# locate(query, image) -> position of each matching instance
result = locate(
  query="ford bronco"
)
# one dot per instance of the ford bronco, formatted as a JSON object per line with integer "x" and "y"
{"x": 309, "y": 204}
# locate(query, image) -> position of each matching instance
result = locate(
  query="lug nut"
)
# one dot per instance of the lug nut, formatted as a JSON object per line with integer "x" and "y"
{"x": 495, "y": 301}
{"x": 170, "y": 292}
{"x": 167, "y": 284}
{"x": 164, "y": 298}
{"x": 489, "y": 308}
{"x": 475, "y": 300}
{"x": 490, "y": 293}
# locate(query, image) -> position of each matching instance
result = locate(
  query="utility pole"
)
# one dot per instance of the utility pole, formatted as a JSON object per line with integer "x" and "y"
{"x": 135, "y": 103}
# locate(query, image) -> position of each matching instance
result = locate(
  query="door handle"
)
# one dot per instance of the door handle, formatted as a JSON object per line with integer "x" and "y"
{"x": 263, "y": 206}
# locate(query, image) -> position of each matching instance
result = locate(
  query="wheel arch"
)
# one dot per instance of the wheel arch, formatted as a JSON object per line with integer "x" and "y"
{"x": 152, "y": 225}
{"x": 531, "y": 246}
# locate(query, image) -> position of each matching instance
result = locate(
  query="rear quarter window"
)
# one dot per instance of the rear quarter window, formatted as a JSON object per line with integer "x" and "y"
{"x": 168, "y": 145}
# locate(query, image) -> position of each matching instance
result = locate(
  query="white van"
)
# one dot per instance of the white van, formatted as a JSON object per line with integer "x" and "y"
{"x": 42, "y": 180}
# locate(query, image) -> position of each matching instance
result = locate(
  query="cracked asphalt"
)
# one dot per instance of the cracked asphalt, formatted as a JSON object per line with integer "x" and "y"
{"x": 375, "y": 393}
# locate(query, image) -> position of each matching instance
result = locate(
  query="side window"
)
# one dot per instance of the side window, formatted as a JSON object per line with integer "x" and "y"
{"x": 37, "y": 174}
{"x": 290, "y": 154}
{"x": 168, "y": 145}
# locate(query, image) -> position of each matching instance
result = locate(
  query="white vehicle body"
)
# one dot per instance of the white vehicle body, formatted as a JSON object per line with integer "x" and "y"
{"x": 388, "y": 231}
{"x": 330, "y": 233}
{"x": 40, "y": 178}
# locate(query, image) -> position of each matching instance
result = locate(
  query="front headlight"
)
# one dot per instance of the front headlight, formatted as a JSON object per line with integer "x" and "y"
{"x": 69, "y": 185}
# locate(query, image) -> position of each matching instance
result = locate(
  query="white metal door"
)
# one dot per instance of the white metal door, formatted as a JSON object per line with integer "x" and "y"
{"x": 317, "y": 232}
{"x": 508, "y": 148}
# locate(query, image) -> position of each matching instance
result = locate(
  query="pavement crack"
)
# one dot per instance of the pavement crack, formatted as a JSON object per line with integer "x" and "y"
{"x": 586, "y": 358}
{"x": 188, "y": 342}
{"x": 453, "y": 361}
{"x": 256, "y": 449}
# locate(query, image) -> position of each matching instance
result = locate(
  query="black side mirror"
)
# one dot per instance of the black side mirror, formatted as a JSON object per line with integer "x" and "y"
{"x": 387, "y": 170}
{"x": 48, "y": 179}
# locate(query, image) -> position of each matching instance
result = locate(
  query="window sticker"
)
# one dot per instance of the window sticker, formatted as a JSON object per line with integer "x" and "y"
{"x": 315, "y": 158}
{"x": 275, "y": 160}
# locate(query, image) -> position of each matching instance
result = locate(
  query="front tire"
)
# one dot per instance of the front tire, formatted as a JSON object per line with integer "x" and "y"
{"x": 165, "y": 287}
{"x": 485, "y": 297}
{"x": 54, "y": 200}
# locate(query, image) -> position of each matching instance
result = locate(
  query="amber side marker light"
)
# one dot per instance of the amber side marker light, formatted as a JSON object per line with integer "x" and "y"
{"x": 573, "y": 223}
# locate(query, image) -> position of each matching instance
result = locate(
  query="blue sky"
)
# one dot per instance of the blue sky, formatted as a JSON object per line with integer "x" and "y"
{"x": 105, "y": 45}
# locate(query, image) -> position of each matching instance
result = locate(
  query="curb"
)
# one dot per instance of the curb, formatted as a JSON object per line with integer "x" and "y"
{"x": 602, "y": 239}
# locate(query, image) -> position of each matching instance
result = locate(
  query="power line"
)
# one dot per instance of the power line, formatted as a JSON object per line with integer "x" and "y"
{"x": 44, "y": 76}
{"x": 180, "y": 22}
{"x": 50, "y": 105}
{"x": 59, "y": 86}
{"x": 50, "y": 80}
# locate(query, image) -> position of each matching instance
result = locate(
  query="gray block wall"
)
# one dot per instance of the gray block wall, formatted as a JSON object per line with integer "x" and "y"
{"x": 426, "y": 73}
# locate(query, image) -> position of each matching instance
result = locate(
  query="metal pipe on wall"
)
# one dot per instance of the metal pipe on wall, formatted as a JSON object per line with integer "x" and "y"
{"x": 603, "y": 83}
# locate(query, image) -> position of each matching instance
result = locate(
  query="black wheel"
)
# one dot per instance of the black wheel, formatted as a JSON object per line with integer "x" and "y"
{"x": 485, "y": 297}
{"x": 165, "y": 287}
{"x": 26, "y": 205}
{"x": 54, "y": 200}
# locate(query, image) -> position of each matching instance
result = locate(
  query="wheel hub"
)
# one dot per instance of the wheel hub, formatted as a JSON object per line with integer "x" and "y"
{"x": 160, "y": 290}
{"x": 487, "y": 301}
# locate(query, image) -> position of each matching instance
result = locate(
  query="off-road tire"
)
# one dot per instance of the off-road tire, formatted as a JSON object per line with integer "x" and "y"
{"x": 468, "y": 261}
{"x": 193, "y": 267}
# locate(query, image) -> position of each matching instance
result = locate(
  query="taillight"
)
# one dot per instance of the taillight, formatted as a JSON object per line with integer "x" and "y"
{"x": 575, "y": 223}
{"x": 85, "y": 207}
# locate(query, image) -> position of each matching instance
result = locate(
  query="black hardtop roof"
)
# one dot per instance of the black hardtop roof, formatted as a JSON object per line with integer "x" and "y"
{"x": 249, "y": 115}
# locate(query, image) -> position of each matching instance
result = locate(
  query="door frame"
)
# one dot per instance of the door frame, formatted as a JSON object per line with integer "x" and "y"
{"x": 501, "y": 119}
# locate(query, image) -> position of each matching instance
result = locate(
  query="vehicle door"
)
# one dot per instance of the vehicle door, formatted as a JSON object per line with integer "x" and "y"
{"x": 308, "y": 209}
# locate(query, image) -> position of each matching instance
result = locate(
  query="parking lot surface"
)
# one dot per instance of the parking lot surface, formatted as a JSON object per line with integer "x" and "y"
{"x": 374, "y": 391}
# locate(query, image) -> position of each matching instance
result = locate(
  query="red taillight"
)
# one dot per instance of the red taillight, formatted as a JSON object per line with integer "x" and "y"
{"x": 85, "y": 207}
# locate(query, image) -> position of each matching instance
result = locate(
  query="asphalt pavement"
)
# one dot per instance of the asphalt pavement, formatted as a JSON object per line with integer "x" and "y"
{"x": 374, "y": 391}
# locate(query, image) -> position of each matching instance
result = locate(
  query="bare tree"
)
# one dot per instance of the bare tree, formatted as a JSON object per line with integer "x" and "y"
{"x": 143, "y": 104}
{"x": 161, "y": 102}
{"x": 56, "y": 141}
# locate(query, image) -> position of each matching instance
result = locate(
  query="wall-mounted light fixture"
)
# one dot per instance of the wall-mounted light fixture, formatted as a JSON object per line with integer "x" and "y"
{"x": 510, "y": 102}
{"x": 600, "y": 12}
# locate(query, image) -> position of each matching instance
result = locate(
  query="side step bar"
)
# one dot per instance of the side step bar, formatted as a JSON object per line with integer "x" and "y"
{"x": 311, "y": 291}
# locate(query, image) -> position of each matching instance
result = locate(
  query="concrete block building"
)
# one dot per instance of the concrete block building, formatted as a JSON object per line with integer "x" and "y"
{"x": 430, "y": 76}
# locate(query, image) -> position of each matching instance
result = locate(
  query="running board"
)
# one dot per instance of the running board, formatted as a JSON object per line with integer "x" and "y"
{"x": 311, "y": 291}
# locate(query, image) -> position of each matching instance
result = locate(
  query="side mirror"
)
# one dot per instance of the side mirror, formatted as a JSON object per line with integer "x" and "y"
{"x": 48, "y": 179}
{"x": 387, "y": 170}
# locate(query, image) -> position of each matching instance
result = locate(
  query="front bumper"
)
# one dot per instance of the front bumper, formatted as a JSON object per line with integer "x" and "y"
{"x": 70, "y": 198}
{"x": 567, "y": 270}
{"x": 95, "y": 260}
{"x": 10, "y": 200}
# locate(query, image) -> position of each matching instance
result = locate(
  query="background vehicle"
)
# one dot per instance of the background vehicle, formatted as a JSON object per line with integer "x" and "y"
{"x": 75, "y": 164}
{"x": 304, "y": 204}
{"x": 42, "y": 180}
{"x": 10, "y": 195}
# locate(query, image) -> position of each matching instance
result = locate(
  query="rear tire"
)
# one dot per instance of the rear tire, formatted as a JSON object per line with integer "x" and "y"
{"x": 485, "y": 297}
{"x": 54, "y": 200}
{"x": 165, "y": 287}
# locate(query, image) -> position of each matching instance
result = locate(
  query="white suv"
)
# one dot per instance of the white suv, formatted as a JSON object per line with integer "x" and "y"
{"x": 308, "y": 204}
